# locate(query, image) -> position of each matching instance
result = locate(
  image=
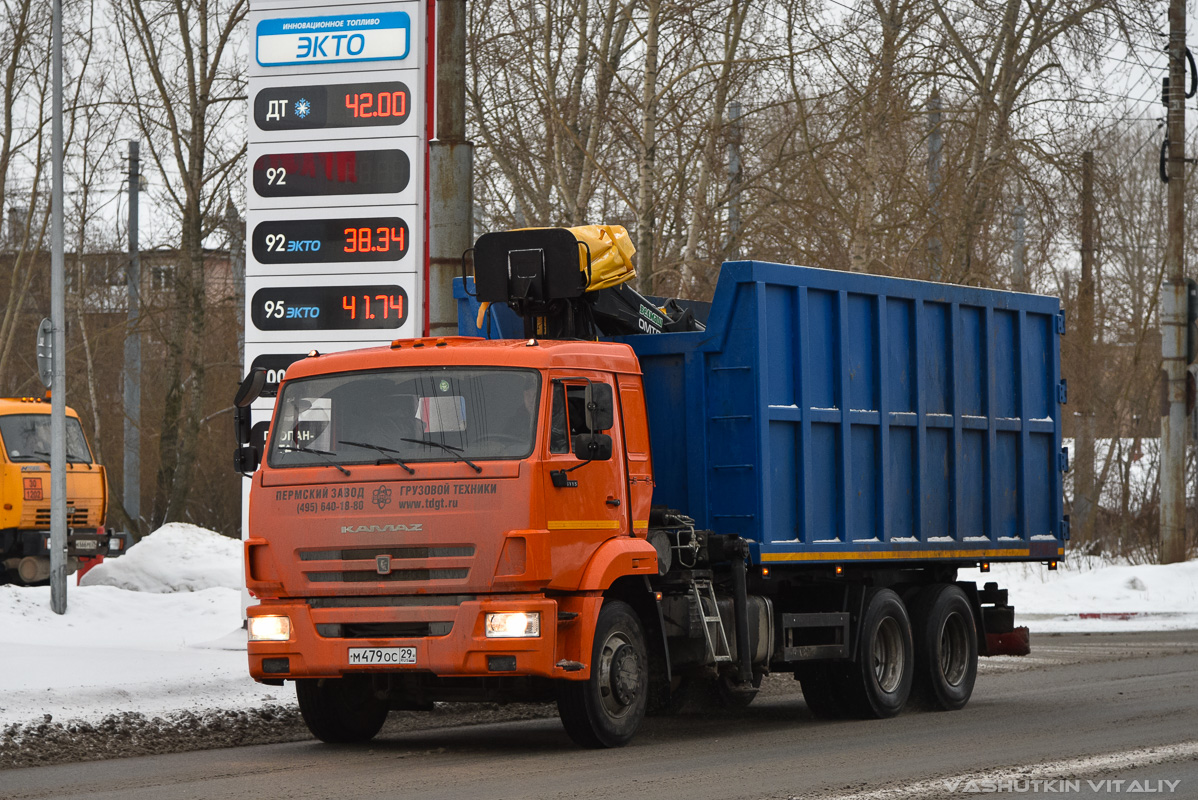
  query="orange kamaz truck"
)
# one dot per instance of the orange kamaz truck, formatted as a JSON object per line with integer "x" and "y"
{"x": 606, "y": 499}
{"x": 25, "y": 494}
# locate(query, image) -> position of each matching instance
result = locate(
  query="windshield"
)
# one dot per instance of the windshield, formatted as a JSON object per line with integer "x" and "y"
{"x": 27, "y": 438}
{"x": 406, "y": 416}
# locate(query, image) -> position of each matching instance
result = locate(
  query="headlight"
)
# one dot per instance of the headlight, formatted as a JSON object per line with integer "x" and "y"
{"x": 269, "y": 629}
{"x": 513, "y": 625}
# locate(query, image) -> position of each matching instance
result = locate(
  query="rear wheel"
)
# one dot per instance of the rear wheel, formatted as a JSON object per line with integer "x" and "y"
{"x": 823, "y": 688}
{"x": 946, "y": 647}
{"x": 341, "y": 710}
{"x": 606, "y": 709}
{"x": 878, "y": 684}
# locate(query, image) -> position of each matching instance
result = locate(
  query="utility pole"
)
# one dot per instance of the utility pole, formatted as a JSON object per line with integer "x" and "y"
{"x": 1173, "y": 306}
{"x": 451, "y": 165}
{"x": 58, "y": 317}
{"x": 1083, "y": 470}
{"x": 131, "y": 497}
{"x": 935, "y": 147}
{"x": 1019, "y": 256}
{"x": 735, "y": 179}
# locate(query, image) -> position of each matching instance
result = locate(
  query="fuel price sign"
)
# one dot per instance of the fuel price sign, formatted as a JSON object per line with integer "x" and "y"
{"x": 318, "y": 174}
{"x": 315, "y": 241}
{"x": 329, "y": 308}
{"x": 342, "y": 105}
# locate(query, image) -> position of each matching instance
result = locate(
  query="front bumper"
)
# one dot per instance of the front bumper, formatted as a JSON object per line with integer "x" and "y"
{"x": 464, "y": 651}
{"x": 81, "y": 544}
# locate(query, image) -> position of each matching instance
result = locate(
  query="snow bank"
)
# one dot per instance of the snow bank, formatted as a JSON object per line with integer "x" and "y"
{"x": 1090, "y": 595}
{"x": 155, "y": 631}
{"x": 175, "y": 558}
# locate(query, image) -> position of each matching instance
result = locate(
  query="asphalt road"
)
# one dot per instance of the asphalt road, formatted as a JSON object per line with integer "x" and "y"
{"x": 1084, "y": 716}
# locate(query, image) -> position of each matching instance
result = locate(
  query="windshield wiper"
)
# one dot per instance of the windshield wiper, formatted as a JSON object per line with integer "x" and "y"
{"x": 456, "y": 452}
{"x": 323, "y": 453}
{"x": 383, "y": 451}
{"x": 71, "y": 457}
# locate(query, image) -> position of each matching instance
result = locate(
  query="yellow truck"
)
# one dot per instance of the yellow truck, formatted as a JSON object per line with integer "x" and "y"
{"x": 25, "y": 495}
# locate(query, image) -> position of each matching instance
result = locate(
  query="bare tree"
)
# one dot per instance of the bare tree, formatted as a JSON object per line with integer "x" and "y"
{"x": 187, "y": 91}
{"x": 23, "y": 52}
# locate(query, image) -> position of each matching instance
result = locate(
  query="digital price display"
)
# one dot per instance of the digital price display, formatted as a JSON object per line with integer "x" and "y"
{"x": 315, "y": 241}
{"x": 329, "y": 308}
{"x": 322, "y": 174}
{"x": 275, "y": 366}
{"x": 342, "y": 105}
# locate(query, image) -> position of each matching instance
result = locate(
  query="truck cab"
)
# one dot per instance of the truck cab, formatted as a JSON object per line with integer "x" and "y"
{"x": 25, "y": 493}
{"x": 456, "y": 507}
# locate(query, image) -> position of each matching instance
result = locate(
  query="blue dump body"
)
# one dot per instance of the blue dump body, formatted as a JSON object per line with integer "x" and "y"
{"x": 834, "y": 416}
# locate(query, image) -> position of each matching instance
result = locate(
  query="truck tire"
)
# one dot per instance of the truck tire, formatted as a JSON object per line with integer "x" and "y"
{"x": 731, "y": 695}
{"x": 341, "y": 710}
{"x": 823, "y": 688}
{"x": 878, "y": 683}
{"x": 946, "y": 648}
{"x": 606, "y": 709}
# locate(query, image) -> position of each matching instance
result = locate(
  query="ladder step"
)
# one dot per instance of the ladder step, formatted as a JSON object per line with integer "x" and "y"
{"x": 717, "y": 646}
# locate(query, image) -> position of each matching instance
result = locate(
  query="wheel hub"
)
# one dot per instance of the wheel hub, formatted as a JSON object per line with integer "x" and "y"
{"x": 625, "y": 675}
{"x": 887, "y": 655}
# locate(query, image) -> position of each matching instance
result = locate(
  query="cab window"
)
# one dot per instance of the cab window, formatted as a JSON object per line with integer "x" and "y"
{"x": 567, "y": 416}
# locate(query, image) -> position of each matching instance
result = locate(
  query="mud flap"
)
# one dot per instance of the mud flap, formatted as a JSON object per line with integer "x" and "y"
{"x": 1014, "y": 643}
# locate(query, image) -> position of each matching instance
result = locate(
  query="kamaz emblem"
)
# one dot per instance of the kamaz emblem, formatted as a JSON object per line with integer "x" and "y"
{"x": 416, "y": 526}
{"x": 383, "y": 564}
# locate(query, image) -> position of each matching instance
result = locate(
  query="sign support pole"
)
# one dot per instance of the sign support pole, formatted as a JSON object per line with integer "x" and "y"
{"x": 451, "y": 165}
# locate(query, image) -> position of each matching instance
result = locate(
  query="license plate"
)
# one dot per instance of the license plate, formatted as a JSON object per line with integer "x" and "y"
{"x": 382, "y": 655}
{"x": 86, "y": 544}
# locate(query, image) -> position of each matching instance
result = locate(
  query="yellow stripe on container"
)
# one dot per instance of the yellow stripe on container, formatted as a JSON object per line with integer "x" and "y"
{"x": 879, "y": 556}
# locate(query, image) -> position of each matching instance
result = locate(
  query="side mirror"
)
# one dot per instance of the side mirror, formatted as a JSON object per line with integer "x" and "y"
{"x": 600, "y": 409}
{"x": 245, "y": 459}
{"x": 250, "y": 388}
{"x": 247, "y": 393}
{"x": 592, "y": 446}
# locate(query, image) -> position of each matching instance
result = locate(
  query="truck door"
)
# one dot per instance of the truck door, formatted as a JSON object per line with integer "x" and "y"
{"x": 586, "y": 502}
{"x": 636, "y": 451}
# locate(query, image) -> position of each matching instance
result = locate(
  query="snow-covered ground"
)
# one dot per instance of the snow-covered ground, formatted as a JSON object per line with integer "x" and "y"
{"x": 1091, "y": 595}
{"x": 155, "y": 631}
{"x": 158, "y": 630}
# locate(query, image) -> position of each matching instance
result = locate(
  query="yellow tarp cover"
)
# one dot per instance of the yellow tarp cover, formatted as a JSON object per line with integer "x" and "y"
{"x": 611, "y": 255}
{"x": 611, "y": 258}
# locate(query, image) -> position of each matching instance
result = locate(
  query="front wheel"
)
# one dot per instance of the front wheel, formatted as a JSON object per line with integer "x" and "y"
{"x": 341, "y": 710}
{"x": 606, "y": 709}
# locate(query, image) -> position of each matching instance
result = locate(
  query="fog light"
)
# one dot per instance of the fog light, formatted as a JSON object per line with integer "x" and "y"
{"x": 513, "y": 625}
{"x": 269, "y": 629}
